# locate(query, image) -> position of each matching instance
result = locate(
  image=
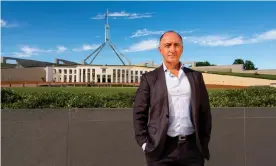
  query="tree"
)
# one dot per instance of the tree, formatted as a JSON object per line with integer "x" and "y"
{"x": 238, "y": 61}
{"x": 205, "y": 63}
{"x": 249, "y": 65}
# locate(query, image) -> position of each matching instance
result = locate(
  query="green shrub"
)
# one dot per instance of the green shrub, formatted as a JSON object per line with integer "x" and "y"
{"x": 9, "y": 96}
{"x": 250, "y": 97}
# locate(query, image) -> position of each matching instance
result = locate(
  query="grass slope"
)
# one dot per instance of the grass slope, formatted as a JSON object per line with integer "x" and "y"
{"x": 261, "y": 76}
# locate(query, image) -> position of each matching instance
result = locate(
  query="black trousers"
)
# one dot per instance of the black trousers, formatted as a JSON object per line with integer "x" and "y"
{"x": 179, "y": 153}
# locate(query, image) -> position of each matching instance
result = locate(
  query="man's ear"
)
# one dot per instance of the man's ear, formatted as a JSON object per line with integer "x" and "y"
{"x": 159, "y": 49}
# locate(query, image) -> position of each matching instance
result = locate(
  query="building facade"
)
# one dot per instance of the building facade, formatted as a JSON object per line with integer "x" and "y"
{"x": 96, "y": 74}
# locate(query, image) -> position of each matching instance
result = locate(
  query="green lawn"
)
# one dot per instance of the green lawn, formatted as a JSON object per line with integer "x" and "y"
{"x": 7, "y": 65}
{"x": 262, "y": 76}
{"x": 84, "y": 89}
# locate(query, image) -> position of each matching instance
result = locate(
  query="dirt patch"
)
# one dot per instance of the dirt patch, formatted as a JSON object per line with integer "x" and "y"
{"x": 214, "y": 86}
{"x": 215, "y": 79}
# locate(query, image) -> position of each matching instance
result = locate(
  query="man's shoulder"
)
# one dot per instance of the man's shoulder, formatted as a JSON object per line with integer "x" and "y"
{"x": 195, "y": 72}
{"x": 151, "y": 73}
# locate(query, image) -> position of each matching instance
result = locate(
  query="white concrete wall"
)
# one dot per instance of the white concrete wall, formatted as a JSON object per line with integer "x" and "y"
{"x": 223, "y": 68}
{"x": 84, "y": 73}
{"x": 49, "y": 73}
{"x": 236, "y": 68}
{"x": 264, "y": 71}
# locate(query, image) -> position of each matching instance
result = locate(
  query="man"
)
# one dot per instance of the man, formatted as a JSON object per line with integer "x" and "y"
{"x": 171, "y": 113}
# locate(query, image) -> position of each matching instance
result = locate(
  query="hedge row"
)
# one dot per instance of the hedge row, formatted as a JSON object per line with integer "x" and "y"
{"x": 250, "y": 97}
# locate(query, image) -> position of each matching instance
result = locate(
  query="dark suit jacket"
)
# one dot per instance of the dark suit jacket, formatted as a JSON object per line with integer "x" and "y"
{"x": 151, "y": 112}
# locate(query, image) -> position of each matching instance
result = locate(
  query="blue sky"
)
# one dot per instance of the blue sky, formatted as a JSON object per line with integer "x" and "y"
{"x": 218, "y": 32}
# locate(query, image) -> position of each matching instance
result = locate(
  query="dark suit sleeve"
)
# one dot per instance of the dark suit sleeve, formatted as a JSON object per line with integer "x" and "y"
{"x": 140, "y": 111}
{"x": 205, "y": 111}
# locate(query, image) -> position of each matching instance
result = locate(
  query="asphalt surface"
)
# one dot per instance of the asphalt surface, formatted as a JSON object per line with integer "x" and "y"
{"x": 104, "y": 137}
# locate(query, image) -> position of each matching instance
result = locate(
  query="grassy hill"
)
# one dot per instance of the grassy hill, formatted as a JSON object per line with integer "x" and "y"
{"x": 7, "y": 65}
{"x": 251, "y": 75}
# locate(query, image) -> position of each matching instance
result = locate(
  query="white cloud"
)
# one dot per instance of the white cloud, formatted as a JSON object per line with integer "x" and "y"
{"x": 268, "y": 35}
{"x": 220, "y": 40}
{"x": 144, "y": 45}
{"x": 208, "y": 40}
{"x": 216, "y": 40}
{"x": 146, "y": 32}
{"x": 87, "y": 47}
{"x": 27, "y": 51}
{"x": 5, "y": 24}
{"x": 21, "y": 54}
{"x": 136, "y": 16}
{"x": 118, "y": 14}
{"x": 123, "y": 14}
{"x": 61, "y": 49}
{"x": 189, "y": 31}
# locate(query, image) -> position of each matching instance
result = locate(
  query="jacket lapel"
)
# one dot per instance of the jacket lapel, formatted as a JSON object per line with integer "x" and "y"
{"x": 194, "y": 94}
{"x": 161, "y": 86}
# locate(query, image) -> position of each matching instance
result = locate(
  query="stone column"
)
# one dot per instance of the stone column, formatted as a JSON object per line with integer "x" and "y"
{"x": 91, "y": 77}
{"x": 129, "y": 76}
{"x": 86, "y": 74}
{"x": 125, "y": 76}
{"x": 121, "y": 73}
{"x": 115, "y": 76}
{"x": 81, "y": 75}
{"x": 57, "y": 76}
{"x": 68, "y": 74}
{"x": 62, "y": 75}
{"x": 111, "y": 77}
{"x": 78, "y": 75}
{"x": 138, "y": 76}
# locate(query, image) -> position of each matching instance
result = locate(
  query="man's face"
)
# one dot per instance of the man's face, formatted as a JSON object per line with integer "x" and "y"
{"x": 171, "y": 47}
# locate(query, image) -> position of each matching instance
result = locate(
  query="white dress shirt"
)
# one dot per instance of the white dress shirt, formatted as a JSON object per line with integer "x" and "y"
{"x": 179, "y": 97}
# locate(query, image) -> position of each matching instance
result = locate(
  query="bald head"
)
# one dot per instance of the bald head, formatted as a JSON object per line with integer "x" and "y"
{"x": 170, "y": 32}
{"x": 171, "y": 47}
